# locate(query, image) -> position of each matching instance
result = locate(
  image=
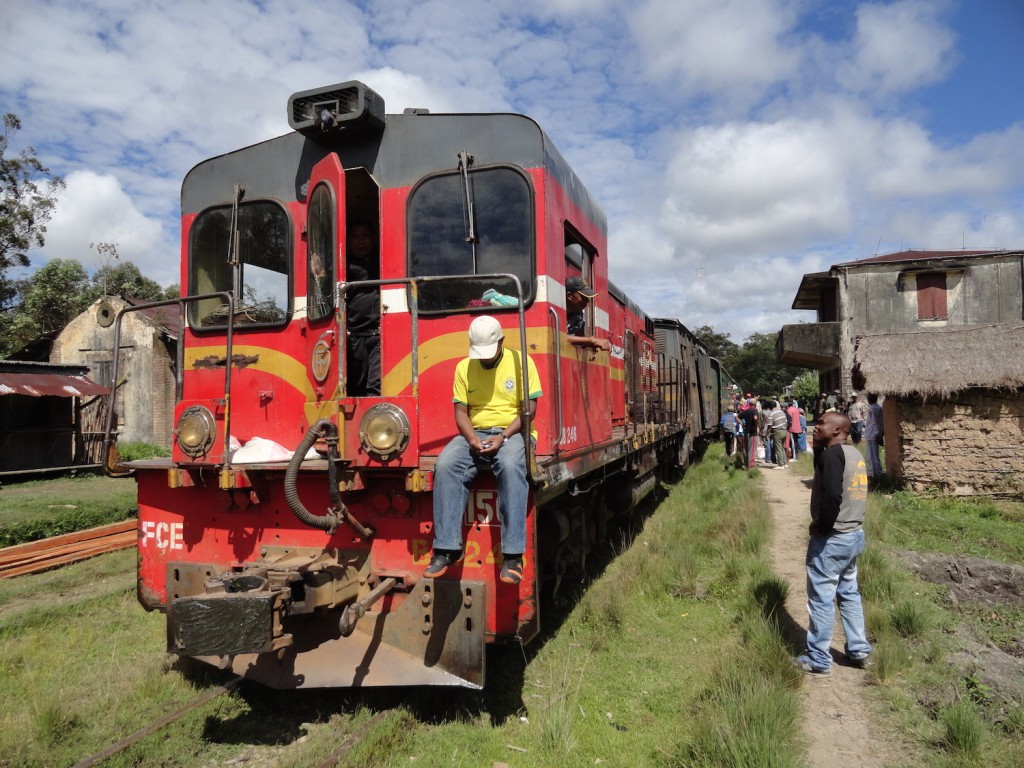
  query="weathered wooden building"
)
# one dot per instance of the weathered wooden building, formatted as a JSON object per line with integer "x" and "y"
{"x": 938, "y": 334}
{"x": 41, "y": 424}
{"x": 147, "y": 368}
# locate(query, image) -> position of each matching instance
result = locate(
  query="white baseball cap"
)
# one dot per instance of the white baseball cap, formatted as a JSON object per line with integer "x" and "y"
{"x": 484, "y": 334}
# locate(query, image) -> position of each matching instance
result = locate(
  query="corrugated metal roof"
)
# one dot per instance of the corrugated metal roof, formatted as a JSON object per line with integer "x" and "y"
{"x": 49, "y": 385}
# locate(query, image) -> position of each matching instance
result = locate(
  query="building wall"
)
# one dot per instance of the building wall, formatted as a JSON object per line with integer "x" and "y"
{"x": 145, "y": 400}
{"x": 968, "y": 444}
{"x": 876, "y": 300}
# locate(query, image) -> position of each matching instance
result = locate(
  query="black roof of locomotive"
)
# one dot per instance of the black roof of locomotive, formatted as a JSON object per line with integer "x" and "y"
{"x": 409, "y": 147}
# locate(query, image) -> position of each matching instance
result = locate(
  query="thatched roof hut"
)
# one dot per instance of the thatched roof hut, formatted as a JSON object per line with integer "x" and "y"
{"x": 941, "y": 361}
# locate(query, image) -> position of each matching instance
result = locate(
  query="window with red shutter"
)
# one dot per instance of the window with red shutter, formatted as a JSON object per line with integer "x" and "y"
{"x": 931, "y": 296}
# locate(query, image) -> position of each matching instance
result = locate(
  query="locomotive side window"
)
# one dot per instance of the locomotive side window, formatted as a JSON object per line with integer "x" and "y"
{"x": 320, "y": 248}
{"x": 478, "y": 225}
{"x": 579, "y": 262}
{"x": 260, "y": 279}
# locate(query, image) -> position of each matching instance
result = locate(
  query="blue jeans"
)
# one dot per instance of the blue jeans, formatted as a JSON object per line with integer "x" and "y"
{"x": 874, "y": 464}
{"x": 456, "y": 468}
{"x": 832, "y": 574}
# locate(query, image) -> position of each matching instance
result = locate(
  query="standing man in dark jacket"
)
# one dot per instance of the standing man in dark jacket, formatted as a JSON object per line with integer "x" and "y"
{"x": 363, "y": 312}
{"x": 838, "y": 501}
{"x": 748, "y": 418}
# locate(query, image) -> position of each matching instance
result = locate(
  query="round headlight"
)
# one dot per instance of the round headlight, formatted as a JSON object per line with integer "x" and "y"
{"x": 384, "y": 431}
{"x": 196, "y": 430}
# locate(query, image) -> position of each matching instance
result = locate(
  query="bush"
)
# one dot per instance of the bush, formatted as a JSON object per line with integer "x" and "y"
{"x": 136, "y": 451}
{"x": 963, "y": 729}
{"x": 911, "y": 618}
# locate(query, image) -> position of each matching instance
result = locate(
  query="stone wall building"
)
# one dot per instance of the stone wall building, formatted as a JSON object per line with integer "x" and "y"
{"x": 954, "y": 407}
{"x": 147, "y": 370}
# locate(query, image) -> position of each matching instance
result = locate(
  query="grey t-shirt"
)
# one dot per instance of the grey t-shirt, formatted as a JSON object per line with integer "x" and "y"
{"x": 839, "y": 491}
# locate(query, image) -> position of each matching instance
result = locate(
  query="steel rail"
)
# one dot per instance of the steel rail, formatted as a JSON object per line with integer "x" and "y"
{"x": 156, "y": 725}
{"x": 351, "y": 740}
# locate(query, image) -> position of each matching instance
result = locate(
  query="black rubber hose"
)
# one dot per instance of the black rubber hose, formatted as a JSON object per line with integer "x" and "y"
{"x": 327, "y": 522}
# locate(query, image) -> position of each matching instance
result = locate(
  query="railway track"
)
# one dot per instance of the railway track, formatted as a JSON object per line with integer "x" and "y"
{"x": 54, "y": 552}
{"x": 162, "y": 722}
{"x": 156, "y": 725}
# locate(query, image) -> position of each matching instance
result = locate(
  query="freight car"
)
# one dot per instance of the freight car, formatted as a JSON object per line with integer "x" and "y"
{"x": 286, "y": 536}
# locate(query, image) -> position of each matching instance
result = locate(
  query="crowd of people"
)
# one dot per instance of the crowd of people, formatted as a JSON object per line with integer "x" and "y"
{"x": 774, "y": 431}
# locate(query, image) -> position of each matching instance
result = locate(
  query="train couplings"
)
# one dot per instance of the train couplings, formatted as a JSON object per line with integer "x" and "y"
{"x": 216, "y": 612}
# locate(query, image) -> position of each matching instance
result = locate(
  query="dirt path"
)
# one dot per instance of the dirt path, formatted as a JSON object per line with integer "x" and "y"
{"x": 836, "y": 722}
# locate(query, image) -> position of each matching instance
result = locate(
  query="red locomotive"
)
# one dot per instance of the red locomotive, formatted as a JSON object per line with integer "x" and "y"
{"x": 307, "y": 571}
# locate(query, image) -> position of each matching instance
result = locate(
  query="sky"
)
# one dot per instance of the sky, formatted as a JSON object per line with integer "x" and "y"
{"x": 734, "y": 145}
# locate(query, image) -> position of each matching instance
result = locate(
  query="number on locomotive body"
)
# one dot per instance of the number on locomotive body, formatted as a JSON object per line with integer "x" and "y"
{"x": 482, "y": 507}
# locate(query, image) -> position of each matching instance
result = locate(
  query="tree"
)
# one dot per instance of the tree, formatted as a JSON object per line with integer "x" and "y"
{"x": 719, "y": 345}
{"x": 125, "y": 280}
{"x": 55, "y": 294}
{"x": 61, "y": 289}
{"x": 805, "y": 387}
{"x": 28, "y": 195}
{"x": 755, "y": 365}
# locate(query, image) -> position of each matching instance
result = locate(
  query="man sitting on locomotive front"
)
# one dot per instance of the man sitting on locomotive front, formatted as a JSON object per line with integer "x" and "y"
{"x": 486, "y": 395}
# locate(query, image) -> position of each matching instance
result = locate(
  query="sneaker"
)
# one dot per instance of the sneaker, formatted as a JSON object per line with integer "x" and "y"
{"x": 439, "y": 563}
{"x": 804, "y": 663}
{"x": 860, "y": 662}
{"x": 512, "y": 570}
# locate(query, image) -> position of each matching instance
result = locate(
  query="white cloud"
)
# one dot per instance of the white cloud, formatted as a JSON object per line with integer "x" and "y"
{"x": 95, "y": 209}
{"x": 757, "y": 186}
{"x": 899, "y": 46}
{"x": 910, "y": 164}
{"x": 711, "y": 46}
{"x": 402, "y": 90}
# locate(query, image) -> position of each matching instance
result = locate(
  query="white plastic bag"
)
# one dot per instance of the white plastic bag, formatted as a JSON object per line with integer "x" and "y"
{"x": 259, "y": 450}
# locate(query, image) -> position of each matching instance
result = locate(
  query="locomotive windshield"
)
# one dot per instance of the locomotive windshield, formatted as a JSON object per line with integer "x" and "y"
{"x": 260, "y": 279}
{"x": 477, "y": 224}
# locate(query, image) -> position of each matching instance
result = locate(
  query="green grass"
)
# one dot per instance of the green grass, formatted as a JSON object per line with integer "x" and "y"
{"x": 912, "y": 627}
{"x": 82, "y": 665}
{"x": 670, "y": 658}
{"x": 674, "y": 656}
{"x": 955, "y": 525}
{"x": 963, "y": 730}
{"x": 41, "y": 508}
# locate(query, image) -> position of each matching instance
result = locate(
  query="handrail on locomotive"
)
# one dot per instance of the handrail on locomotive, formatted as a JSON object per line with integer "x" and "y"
{"x": 109, "y": 467}
{"x": 342, "y": 289}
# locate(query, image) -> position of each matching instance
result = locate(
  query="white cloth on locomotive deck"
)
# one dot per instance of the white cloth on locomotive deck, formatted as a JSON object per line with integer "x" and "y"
{"x": 259, "y": 450}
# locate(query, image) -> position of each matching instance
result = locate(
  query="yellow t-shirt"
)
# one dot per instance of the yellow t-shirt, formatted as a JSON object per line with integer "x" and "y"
{"x": 492, "y": 395}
